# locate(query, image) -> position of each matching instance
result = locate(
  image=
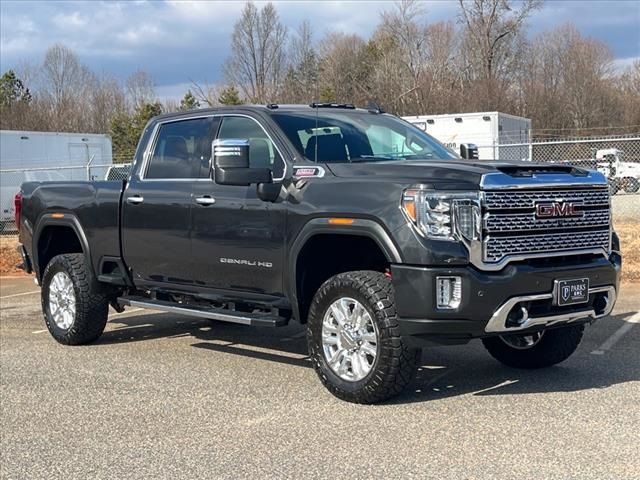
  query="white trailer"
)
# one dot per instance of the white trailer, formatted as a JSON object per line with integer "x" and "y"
{"x": 48, "y": 156}
{"x": 487, "y": 130}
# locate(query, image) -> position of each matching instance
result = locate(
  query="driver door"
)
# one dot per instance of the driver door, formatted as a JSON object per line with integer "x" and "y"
{"x": 238, "y": 239}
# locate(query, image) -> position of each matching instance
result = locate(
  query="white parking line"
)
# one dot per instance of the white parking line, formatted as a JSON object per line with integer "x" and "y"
{"x": 617, "y": 335}
{"x": 20, "y": 294}
{"x": 39, "y": 331}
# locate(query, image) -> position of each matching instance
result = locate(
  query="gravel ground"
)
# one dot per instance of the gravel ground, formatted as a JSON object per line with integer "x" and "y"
{"x": 165, "y": 396}
{"x": 626, "y": 208}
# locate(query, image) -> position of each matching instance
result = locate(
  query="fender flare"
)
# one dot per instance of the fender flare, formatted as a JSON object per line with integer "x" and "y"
{"x": 68, "y": 220}
{"x": 317, "y": 226}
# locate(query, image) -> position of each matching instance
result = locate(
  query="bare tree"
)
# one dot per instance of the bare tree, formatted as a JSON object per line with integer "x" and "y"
{"x": 65, "y": 83}
{"x": 443, "y": 85}
{"x": 257, "y": 63}
{"x": 405, "y": 31}
{"x": 107, "y": 98}
{"x": 346, "y": 66}
{"x": 301, "y": 81}
{"x": 492, "y": 31}
{"x": 629, "y": 95}
{"x": 567, "y": 81}
{"x": 140, "y": 89}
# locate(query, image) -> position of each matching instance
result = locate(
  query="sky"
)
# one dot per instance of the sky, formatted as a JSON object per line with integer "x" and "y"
{"x": 179, "y": 41}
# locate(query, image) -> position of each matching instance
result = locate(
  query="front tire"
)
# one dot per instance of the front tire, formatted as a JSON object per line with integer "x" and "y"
{"x": 354, "y": 339}
{"x": 539, "y": 350}
{"x": 75, "y": 310}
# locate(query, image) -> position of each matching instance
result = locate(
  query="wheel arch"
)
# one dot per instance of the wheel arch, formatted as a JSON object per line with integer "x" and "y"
{"x": 359, "y": 234}
{"x": 72, "y": 239}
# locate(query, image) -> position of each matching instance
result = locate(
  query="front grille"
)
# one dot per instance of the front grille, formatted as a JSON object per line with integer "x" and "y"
{"x": 512, "y": 229}
{"x": 527, "y": 221}
{"x": 498, "y": 247}
{"x": 512, "y": 199}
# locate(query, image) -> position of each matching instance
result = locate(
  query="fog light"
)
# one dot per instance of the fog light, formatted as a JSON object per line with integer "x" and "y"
{"x": 448, "y": 292}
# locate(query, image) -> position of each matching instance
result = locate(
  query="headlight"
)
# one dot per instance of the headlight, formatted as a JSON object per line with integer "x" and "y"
{"x": 443, "y": 215}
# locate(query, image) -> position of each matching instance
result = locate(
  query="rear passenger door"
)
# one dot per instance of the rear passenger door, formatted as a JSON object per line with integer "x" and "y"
{"x": 157, "y": 204}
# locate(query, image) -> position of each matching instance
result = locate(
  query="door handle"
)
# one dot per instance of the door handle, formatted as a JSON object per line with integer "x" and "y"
{"x": 135, "y": 200}
{"x": 205, "y": 200}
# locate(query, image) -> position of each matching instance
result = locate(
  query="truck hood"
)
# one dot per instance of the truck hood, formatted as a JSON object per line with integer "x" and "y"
{"x": 466, "y": 173}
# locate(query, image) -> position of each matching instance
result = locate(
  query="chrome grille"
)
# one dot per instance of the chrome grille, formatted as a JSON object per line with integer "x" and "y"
{"x": 527, "y": 221}
{"x": 511, "y": 199}
{"x": 511, "y": 228}
{"x": 498, "y": 247}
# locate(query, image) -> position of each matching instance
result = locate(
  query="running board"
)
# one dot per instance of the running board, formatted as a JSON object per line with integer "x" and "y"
{"x": 244, "y": 318}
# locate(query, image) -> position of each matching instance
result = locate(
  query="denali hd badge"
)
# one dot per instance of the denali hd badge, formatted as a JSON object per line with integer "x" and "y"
{"x": 248, "y": 263}
{"x": 557, "y": 209}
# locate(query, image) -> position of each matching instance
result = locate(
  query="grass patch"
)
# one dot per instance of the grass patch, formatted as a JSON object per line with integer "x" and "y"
{"x": 629, "y": 234}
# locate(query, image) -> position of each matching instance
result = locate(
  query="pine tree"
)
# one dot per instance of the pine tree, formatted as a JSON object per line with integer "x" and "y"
{"x": 230, "y": 96}
{"x": 126, "y": 129}
{"x": 12, "y": 90}
{"x": 189, "y": 102}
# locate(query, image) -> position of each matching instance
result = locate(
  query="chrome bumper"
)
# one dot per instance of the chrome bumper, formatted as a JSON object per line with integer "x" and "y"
{"x": 498, "y": 322}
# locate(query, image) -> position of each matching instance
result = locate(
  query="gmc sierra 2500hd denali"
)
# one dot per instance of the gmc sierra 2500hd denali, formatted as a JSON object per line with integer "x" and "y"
{"x": 352, "y": 221}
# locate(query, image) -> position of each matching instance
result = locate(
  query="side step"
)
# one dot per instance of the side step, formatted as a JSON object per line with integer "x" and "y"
{"x": 244, "y": 318}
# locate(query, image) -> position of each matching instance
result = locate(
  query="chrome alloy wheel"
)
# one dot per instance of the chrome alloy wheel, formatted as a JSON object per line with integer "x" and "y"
{"x": 62, "y": 300}
{"x": 522, "y": 341}
{"x": 349, "y": 339}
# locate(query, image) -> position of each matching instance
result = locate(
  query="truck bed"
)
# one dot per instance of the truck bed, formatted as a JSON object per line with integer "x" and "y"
{"x": 93, "y": 205}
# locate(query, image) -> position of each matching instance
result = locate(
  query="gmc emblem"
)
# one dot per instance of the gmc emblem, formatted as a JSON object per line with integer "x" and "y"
{"x": 558, "y": 209}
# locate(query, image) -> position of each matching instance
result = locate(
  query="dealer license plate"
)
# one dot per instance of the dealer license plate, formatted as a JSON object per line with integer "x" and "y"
{"x": 570, "y": 292}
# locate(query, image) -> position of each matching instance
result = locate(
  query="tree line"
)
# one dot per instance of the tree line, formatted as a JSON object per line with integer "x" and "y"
{"x": 482, "y": 61}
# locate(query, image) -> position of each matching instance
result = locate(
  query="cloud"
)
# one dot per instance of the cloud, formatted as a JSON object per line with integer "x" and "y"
{"x": 177, "y": 40}
{"x": 71, "y": 20}
{"x": 173, "y": 92}
{"x": 621, "y": 64}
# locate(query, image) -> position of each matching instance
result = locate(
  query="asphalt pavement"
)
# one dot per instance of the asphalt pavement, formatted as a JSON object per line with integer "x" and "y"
{"x": 165, "y": 396}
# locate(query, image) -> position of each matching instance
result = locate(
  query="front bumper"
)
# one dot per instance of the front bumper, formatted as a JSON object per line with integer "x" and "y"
{"x": 491, "y": 299}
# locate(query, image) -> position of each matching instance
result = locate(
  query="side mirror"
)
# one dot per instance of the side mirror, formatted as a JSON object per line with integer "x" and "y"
{"x": 231, "y": 164}
{"x": 469, "y": 151}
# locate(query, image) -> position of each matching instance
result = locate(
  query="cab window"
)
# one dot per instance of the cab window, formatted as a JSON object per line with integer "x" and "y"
{"x": 182, "y": 150}
{"x": 262, "y": 151}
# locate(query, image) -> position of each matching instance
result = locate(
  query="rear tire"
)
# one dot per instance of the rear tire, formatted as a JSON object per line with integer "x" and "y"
{"x": 554, "y": 346}
{"x": 631, "y": 185}
{"x": 614, "y": 187}
{"x": 370, "y": 362}
{"x": 75, "y": 309}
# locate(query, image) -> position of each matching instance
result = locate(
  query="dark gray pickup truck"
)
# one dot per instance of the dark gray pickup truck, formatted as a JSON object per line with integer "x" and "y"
{"x": 352, "y": 221}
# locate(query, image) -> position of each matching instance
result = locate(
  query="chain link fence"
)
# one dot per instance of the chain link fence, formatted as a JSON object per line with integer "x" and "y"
{"x": 617, "y": 157}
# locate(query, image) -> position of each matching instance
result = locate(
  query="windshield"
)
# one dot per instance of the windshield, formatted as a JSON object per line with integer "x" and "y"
{"x": 357, "y": 136}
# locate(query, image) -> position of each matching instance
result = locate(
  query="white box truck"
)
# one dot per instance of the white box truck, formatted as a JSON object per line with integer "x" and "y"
{"x": 487, "y": 130}
{"x": 48, "y": 156}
